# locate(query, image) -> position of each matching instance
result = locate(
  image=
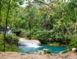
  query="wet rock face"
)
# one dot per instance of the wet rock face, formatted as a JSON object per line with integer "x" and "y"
{"x": 25, "y": 42}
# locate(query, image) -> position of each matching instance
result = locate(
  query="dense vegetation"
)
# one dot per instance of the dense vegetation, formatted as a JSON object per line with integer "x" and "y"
{"x": 55, "y": 21}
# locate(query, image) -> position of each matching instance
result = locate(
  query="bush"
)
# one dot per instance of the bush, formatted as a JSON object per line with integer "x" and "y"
{"x": 73, "y": 42}
{"x": 12, "y": 47}
{"x": 11, "y": 39}
{"x": 1, "y": 42}
{"x": 10, "y": 43}
{"x": 44, "y": 36}
{"x": 54, "y": 35}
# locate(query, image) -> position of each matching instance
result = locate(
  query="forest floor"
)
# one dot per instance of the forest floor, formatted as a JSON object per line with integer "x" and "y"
{"x": 19, "y": 55}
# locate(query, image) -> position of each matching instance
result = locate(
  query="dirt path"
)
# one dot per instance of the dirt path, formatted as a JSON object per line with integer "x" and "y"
{"x": 18, "y": 55}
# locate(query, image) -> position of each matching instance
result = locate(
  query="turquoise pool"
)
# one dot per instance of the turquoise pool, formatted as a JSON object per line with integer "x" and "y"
{"x": 54, "y": 49}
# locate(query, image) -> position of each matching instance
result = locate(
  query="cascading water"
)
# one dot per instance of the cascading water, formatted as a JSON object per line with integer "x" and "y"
{"x": 28, "y": 43}
{"x": 32, "y": 45}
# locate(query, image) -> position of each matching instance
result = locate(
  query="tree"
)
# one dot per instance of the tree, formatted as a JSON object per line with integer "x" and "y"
{"x": 0, "y": 11}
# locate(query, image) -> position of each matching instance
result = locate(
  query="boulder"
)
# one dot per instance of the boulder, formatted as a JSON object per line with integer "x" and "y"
{"x": 74, "y": 49}
{"x": 44, "y": 51}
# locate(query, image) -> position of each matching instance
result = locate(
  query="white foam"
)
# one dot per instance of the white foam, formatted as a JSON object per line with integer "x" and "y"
{"x": 28, "y": 43}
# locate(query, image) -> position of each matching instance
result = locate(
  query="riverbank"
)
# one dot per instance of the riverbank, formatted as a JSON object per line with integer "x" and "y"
{"x": 19, "y": 55}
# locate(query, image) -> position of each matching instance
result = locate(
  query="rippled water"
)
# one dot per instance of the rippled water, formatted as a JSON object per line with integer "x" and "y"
{"x": 53, "y": 49}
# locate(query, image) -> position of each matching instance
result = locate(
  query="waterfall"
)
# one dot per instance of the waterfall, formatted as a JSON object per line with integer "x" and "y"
{"x": 29, "y": 43}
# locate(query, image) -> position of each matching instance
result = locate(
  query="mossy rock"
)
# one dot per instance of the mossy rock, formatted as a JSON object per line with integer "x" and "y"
{"x": 44, "y": 51}
{"x": 47, "y": 51}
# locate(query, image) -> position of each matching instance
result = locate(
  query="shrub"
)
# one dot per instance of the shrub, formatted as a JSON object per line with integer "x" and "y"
{"x": 10, "y": 43}
{"x": 1, "y": 42}
{"x": 11, "y": 39}
{"x": 12, "y": 47}
{"x": 73, "y": 42}
{"x": 44, "y": 36}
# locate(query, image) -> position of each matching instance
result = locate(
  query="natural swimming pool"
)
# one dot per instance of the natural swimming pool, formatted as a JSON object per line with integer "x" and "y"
{"x": 53, "y": 49}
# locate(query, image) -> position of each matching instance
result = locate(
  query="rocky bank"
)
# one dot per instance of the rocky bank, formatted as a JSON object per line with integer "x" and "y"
{"x": 19, "y": 55}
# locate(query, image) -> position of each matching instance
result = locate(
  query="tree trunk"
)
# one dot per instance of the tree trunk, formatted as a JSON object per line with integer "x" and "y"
{"x": 5, "y": 30}
{"x": 0, "y": 11}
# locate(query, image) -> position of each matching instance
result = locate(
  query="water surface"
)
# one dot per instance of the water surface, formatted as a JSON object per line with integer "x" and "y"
{"x": 53, "y": 49}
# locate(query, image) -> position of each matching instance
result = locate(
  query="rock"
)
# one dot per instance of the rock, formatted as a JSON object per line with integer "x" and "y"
{"x": 44, "y": 51}
{"x": 22, "y": 54}
{"x": 65, "y": 56}
{"x": 74, "y": 49}
{"x": 47, "y": 51}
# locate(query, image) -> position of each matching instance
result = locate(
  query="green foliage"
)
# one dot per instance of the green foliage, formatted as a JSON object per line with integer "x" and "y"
{"x": 44, "y": 36}
{"x": 21, "y": 2}
{"x": 11, "y": 43}
{"x": 12, "y": 47}
{"x": 35, "y": 17}
{"x": 1, "y": 42}
{"x": 73, "y": 42}
{"x": 38, "y": 17}
{"x": 73, "y": 4}
{"x": 11, "y": 39}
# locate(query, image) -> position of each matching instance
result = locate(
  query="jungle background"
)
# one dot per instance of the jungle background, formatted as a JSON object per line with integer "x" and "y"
{"x": 47, "y": 21}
